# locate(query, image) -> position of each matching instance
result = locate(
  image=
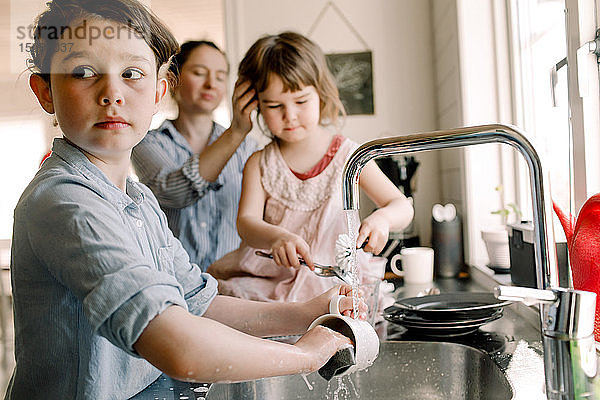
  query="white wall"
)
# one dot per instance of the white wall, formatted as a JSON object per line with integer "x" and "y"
{"x": 473, "y": 87}
{"x": 398, "y": 33}
{"x": 448, "y": 97}
{"x": 473, "y": 84}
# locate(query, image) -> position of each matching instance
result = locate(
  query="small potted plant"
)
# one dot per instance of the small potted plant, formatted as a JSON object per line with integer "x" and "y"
{"x": 496, "y": 240}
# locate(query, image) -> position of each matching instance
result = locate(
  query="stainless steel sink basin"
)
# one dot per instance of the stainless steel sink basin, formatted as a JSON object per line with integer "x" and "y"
{"x": 403, "y": 370}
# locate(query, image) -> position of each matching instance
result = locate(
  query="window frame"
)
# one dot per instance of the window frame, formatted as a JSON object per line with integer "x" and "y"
{"x": 584, "y": 98}
{"x": 581, "y": 18}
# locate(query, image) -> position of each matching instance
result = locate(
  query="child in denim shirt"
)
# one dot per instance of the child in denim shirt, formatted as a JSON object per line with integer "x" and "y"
{"x": 105, "y": 298}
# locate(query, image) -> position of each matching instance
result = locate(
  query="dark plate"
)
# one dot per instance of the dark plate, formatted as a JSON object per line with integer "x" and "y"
{"x": 401, "y": 318}
{"x": 441, "y": 333}
{"x": 442, "y": 330}
{"x": 457, "y": 306}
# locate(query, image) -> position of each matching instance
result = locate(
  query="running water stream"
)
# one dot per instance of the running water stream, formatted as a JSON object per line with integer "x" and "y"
{"x": 353, "y": 223}
{"x": 310, "y": 387}
{"x": 353, "y": 220}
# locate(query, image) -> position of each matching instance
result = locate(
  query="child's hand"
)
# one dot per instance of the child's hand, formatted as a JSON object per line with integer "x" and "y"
{"x": 287, "y": 250}
{"x": 376, "y": 228}
{"x": 244, "y": 101}
{"x": 319, "y": 345}
{"x": 345, "y": 305}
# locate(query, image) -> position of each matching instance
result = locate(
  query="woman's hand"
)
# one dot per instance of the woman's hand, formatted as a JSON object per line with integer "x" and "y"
{"x": 215, "y": 156}
{"x": 288, "y": 248}
{"x": 244, "y": 101}
{"x": 376, "y": 229}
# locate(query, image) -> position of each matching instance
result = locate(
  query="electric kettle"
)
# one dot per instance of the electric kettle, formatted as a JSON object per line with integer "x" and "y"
{"x": 583, "y": 241}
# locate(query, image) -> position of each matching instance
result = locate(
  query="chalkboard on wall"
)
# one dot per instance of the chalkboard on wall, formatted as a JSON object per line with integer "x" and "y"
{"x": 353, "y": 74}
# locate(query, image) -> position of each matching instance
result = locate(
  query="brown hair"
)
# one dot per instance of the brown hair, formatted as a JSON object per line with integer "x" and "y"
{"x": 299, "y": 62}
{"x": 54, "y": 23}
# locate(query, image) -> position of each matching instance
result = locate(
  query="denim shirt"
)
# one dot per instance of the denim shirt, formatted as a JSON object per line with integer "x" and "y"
{"x": 201, "y": 214}
{"x": 91, "y": 266}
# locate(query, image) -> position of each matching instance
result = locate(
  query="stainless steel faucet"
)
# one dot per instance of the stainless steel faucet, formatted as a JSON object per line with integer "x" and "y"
{"x": 568, "y": 337}
{"x": 557, "y": 356}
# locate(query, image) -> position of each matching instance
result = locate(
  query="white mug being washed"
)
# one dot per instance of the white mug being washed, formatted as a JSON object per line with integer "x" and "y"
{"x": 417, "y": 264}
{"x": 362, "y": 334}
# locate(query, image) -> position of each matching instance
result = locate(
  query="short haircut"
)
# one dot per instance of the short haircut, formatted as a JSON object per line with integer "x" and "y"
{"x": 299, "y": 62}
{"x": 52, "y": 24}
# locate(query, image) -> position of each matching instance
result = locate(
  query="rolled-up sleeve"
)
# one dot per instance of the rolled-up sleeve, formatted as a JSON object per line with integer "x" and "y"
{"x": 175, "y": 184}
{"x": 133, "y": 316}
{"x": 123, "y": 304}
{"x": 200, "y": 299}
{"x": 94, "y": 250}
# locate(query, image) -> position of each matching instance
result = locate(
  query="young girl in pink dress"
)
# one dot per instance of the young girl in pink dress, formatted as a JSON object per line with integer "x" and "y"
{"x": 291, "y": 190}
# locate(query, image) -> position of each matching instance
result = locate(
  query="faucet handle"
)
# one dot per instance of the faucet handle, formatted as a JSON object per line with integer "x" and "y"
{"x": 527, "y": 296}
{"x": 567, "y": 313}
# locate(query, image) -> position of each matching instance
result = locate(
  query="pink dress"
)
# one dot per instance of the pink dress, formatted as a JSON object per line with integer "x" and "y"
{"x": 311, "y": 208}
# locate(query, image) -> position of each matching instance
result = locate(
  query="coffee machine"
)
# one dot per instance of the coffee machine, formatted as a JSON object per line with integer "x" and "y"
{"x": 401, "y": 171}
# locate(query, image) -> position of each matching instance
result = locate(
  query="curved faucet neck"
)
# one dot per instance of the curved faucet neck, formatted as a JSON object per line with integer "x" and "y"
{"x": 545, "y": 251}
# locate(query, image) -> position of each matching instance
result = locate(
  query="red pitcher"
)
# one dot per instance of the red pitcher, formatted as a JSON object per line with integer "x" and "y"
{"x": 583, "y": 242}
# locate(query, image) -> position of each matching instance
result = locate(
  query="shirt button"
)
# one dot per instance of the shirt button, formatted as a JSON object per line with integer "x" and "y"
{"x": 203, "y": 224}
{"x": 139, "y": 223}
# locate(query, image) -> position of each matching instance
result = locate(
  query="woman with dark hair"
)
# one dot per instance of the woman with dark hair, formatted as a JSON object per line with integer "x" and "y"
{"x": 194, "y": 165}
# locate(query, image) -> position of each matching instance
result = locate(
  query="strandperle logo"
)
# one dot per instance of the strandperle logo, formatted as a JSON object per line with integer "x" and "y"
{"x": 23, "y": 13}
{"x": 23, "y": 36}
{"x": 26, "y": 34}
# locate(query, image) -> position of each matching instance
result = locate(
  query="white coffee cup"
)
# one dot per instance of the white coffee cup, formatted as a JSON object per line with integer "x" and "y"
{"x": 417, "y": 264}
{"x": 362, "y": 334}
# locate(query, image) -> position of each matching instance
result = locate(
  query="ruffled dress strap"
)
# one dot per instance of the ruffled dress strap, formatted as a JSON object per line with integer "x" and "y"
{"x": 297, "y": 194}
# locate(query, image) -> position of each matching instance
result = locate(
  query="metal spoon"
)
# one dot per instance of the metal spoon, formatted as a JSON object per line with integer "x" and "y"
{"x": 321, "y": 270}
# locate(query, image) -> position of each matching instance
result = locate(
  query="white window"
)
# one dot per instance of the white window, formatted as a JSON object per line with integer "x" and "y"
{"x": 556, "y": 94}
{"x": 23, "y": 144}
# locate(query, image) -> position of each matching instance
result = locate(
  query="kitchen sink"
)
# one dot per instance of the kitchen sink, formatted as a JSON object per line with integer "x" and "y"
{"x": 403, "y": 370}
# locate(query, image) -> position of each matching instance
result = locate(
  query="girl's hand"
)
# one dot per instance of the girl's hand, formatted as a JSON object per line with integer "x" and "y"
{"x": 287, "y": 250}
{"x": 244, "y": 101}
{"x": 376, "y": 228}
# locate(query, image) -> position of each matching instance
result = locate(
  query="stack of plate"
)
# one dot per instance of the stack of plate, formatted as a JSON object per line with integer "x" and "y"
{"x": 447, "y": 314}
